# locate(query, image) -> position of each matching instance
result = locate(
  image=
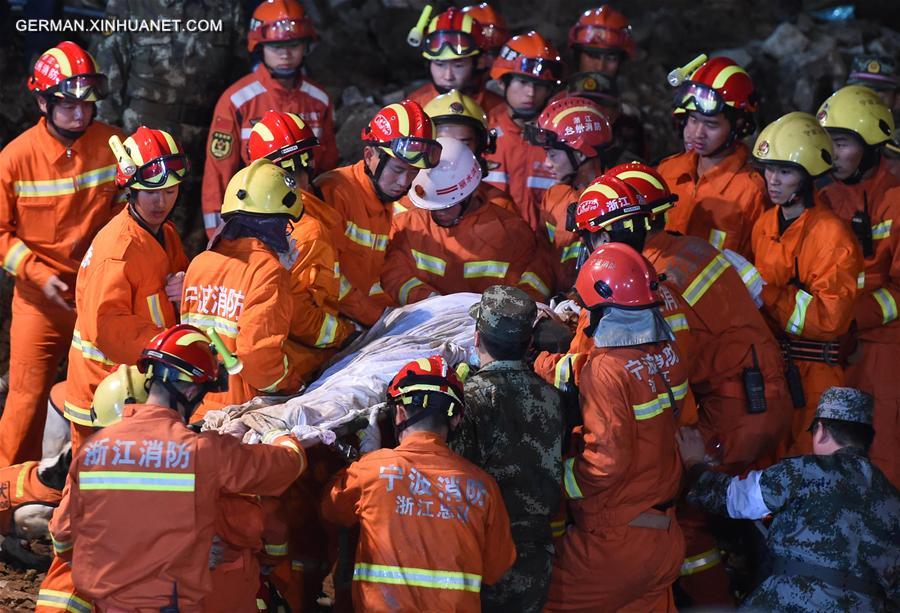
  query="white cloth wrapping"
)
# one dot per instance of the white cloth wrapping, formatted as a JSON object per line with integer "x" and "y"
{"x": 356, "y": 379}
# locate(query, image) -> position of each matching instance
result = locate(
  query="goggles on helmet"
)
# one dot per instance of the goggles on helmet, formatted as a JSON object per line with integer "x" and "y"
{"x": 698, "y": 97}
{"x": 537, "y": 67}
{"x": 156, "y": 172}
{"x": 283, "y": 30}
{"x": 601, "y": 36}
{"x": 294, "y": 155}
{"x": 415, "y": 150}
{"x": 83, "y": 87}
{"x": 460, "y": 43}
{"x": 541, "y": 137}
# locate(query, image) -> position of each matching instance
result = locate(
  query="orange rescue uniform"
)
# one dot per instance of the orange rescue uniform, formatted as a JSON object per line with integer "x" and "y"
{"x": 241, "y": 289}
{"x": 567, "y": 247}
{"x": 121, "y": 303}
{"x": 486, "y": 99}
{"x": 722, "y": 205}
{"x": 150, "y": 470}
{"x": 875, "y": 311}
{"x": 20, "y": 484}
{"x": 488, "y": 246}
{"x": 621, "y": 485}
{"x": 239, "y": 108}
{"x": 821, "y": 310}
{"x": 53, "y": 200}
{"x": 517, "y": 166}
{"x": 361, "y": 239}
{"x": 433, "y": 527}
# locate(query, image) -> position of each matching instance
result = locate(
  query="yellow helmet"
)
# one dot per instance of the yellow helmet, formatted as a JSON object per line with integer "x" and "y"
{"x": 456, "y": 107}
{"x": 263, "y": 188}
{"x": 125, "y": 385}
{"x": 796, "y": 139}
{"x": 858, "y": 109}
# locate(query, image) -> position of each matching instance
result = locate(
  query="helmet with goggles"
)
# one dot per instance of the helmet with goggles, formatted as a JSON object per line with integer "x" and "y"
{"x": 452, "y": 35}
{"x": 493, "y": 29}
{"x": 424, "y": 387}
{"x": 403, "y": 131}
{"x": 154, "y": 156}
{"x": 68, "y": 71}
{"x": 530, "y": 56}
{"x": 602, "y": 28}
{"x": 279, "y": 21}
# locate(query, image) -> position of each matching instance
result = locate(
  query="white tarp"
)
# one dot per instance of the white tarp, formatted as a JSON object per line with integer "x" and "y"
{"x": 357, "y": 378}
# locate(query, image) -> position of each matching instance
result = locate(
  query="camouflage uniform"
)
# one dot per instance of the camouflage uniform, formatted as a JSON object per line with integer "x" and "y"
{"x": 171, "y": 80}
{"x": 834, "y": 534}
{"x": 512, "y": 428}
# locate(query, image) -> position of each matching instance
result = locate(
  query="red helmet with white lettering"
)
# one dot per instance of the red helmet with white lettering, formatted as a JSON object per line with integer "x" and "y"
{"x": 283, "y": 138}
{"x": 68, "y": 71}
{"x": 159, "y": 159}
{"x": 607, "y": 203}
{"x": 277, "y": 21}
{"x": 617, "y": 275}
{"x": 404, "y": 131}
{"x": 572, "y": 122}
{"x": 648, "y": 183}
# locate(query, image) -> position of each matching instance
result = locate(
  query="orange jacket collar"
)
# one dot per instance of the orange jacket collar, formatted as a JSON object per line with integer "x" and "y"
{"x": 271, "y": 83}
{"x": 726, "y": 169}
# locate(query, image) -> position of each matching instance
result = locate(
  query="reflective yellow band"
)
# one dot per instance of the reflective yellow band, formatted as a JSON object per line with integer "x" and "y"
{"x": 861, "y": 280}
{"x": 717, "y": 238}
{"x": 261, "y": 605}
{"x": 399, "y": 208}
{"x": 136, "y": 481}
{"x": 649, "y": 410}
{"x": 485, "y": 268}
{"x": 77, "y": 414}
{"x": 223, "y": 326}
{"x": 571, "y": 485}
{"x": 534, "y": 281}
{"x": 406, "y": 288}
{"x": 17, "y": 252}
{"x": 429, "y": 263}
{"x": 337, "y": 269}
{"x": 798, "y": 318}
{"x": 274, "y": 386}
{"x": 558, "y": 528}
{"x": 64, "y": 601}
{"x": 882, "y": 230}
{"x": 417, "y": 577}
{"x": 702, "y": 282}
{"x": 571, "y": 252}
{"x": 551, "y": 231}
{"x": 62, "y": 187}
{"x": 366, "y": 238}
{"x": 887, "y": 303}
{"x": 563, "y": 372}
{"x": 344, "y": 288}
{"x": 376, "y": 289}
{"x": 328, "y": 331}
{"x": 700, "y": 562}
{"x": 749, "y": 274}
{"x": 20, "y": 480}
{"x": 89, "y": 350}
{"x": 60, "y": 546}
{"x": 677, "y": 322}
{"x": 680, "y": 391}
{"x": 156, "y": 311}
{"x": 279, "y": 549}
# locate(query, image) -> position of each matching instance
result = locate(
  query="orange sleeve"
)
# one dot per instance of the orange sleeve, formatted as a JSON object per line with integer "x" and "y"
{"x": 360, "y": 306}
{"x": 62, "y": 520}
{"x": 499, "y": 548}
{"x": 342, "y": 495}
{"x": 264, "y": 470}
{"x": 400, "y": 279}
{"x": 15, "y": 255}
{"x": 328, "y": 144}
{"x": 878, "y": 306}
{"x": 753, "y": 211}
{"x": 223, "y": 159}
{"x": 316, "y": 322}
{"x": 276, "y": 532}
{"x": 531, "y": 270}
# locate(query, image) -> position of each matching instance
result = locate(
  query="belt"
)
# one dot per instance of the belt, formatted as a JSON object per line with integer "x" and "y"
{"x": 178, "y": 113}
{"x": 651, "y": 520}
{"x": 811, "y": 351}
{"x": 831, "y": 576}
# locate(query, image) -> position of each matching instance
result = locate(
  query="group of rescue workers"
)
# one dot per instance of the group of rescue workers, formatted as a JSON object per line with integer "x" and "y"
{"x": 705, "y": 313}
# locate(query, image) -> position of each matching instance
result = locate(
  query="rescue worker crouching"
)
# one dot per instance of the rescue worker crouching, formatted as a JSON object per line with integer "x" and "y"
{"x": 810, "y": 291}
{"x": 453, "y": 241}
{"x": 130, "y": 280}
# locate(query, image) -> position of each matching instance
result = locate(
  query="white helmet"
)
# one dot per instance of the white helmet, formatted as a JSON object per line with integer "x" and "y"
{"x": 455, "y": 177}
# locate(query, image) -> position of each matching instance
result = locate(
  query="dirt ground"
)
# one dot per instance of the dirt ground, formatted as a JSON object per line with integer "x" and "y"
{"x": 19, "y": 588}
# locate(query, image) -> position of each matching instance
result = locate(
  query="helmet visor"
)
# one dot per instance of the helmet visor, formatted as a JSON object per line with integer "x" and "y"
{"x": 540, "y": 137}
{"x": 284, "y": 29}
{"x": 419, "y": 152}
{"x": 156, "y": 172}
{"x": 600, "y": 36}
{"x": 459, "y": 43}
{"x": 549, "y": 70}
{"x": 84, "y": 87}
{"x": 698, "y": 97}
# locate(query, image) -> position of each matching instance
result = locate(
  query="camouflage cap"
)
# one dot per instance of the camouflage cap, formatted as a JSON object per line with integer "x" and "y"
{"x": 875, "y": 71}
{"x": 847, "y": 404}
{"x": 504, "y": 313}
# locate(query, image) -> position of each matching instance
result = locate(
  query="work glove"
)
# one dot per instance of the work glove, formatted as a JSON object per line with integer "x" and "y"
{"x": 370, "y": 438}
{"x": 289, "y": 258}
{"x": 749, "y": 275}
{"x": 566, "y": 309}
{"x": 174, "y": 284}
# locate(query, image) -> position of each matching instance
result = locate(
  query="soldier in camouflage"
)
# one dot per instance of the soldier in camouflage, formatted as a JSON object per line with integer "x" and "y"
{"x": 836, "y": 518}
{"x": 172, "y": 80}
{"x": 512, "y": 428}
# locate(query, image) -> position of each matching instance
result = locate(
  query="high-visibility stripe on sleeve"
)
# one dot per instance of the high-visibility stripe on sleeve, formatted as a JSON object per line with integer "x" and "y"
{"x": 485, "y": 268}
{"x": 156, "y": 311}
{"x": 417, "y": 577}
{"x": 64, "y": 601}
{"x": 223, "y": 326}
{"x": 376, "y": 289}
{"x": 60, "y": 546}
{"x": 540, "y": 182}
{"x": 274, "y": 386}
{"x": 702, "y": 282}
{"x": 861, "y": 280}
{"x": 89, "y": 350}
{"x": 551, "y": 231}
{"x": 399, "y": 208}
{"x": 882, "y": 230}
{"x": 429, "y": 263}
{"x": 649, "y": 410}
{"x": 497, "y": 177}
{"x": 366, "y": 238}
{"x": 276, "y": 549}
{"x": 558, "y": 528}
{"x": 717, "y": 238}
{"x": 247, "y": 93}
{"x": 677, "y": 322}
{"x": 406, "y": 288}
{"x": 136, "y": 481}
{"x": 328, "y": 331}
{"x": 77, "y": 414}
{"x": 24, "y": 469}
{"x": 532, "y": 280}
{"x": 749, "y": 274}
{"x": 571, "y": 252}
{"x": 798, "y": 317}
{"x": 563, "y": 372}
{"x": 700, "y": 562}
{"x": 211, "y": 221}
{"x": 887, "y": 303}
{"x": 571, "y": 485}
{"x": 17, "y": 252}
{"x": 680, "y": 391}
{"x": 344, "y": 287}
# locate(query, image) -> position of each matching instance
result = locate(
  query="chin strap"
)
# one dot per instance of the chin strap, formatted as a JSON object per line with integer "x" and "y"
{"x": 375, "y": 177}
{"x": 176, "y": 398}
{"x": 70, "y": 134}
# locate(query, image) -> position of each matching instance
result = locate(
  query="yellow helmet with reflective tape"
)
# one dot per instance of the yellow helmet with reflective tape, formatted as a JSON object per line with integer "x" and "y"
{"x": 263, "y": 188}
{"x": 125, "y": 385}
{"x": 795, "y": 139}
{"x": 858, "y": 109}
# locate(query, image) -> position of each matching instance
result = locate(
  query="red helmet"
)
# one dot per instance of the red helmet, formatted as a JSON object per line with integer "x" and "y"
{"x": 605, "y": 202}
{"x": 528, "y": 55}
{"x": 718, "y": 83}
{"x": 573, "y": 122}
{"x": 68, "y": 71}
{"x": 183, "y": 353}
{"x": 452, "y": 35}
{"x": 283, "y": 138}
{"x": 649, "y": 185}
{"x": 427, "y": 376}
{"x": 404, "y": 131}
{"x": 617, "y": 275}
{"x": 159, "y": 159}
{"x": 276, "y": 21}
{"x": 493, "y": 29}
{"x": 602, "y": 28}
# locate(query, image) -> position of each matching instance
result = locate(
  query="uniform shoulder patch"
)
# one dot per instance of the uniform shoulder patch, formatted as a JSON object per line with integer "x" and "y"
{"x": 220, "y": 144}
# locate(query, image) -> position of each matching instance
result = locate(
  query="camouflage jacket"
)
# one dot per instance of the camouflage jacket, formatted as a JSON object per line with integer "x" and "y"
{"x": 512, "y": 428}
{"x": 836, "y": 511}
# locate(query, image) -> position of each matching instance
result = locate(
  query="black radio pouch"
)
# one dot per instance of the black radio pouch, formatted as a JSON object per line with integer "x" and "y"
{"x": 794, "y": 383}
{"x": 862, "y": 228}
{"x": 755, "y": 386}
